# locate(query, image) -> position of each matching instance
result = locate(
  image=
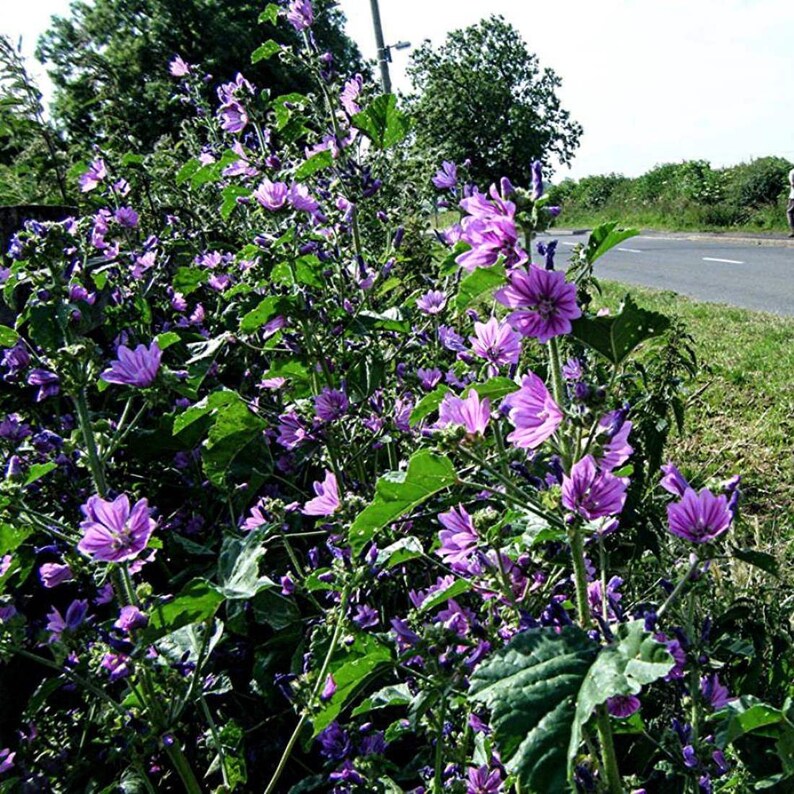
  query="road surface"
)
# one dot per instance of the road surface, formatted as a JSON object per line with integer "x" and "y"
{"x": 742, "y": 273}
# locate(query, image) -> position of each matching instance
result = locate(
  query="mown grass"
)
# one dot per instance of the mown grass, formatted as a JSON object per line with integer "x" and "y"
{"x": 740, "y": 412}
{"x": 769, "y": 220}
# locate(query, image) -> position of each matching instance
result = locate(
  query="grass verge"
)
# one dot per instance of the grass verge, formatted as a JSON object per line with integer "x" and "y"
{"x": 740, "y": 414}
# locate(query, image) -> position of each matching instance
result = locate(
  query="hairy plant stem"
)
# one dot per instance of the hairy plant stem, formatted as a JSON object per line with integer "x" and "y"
{"x": 608, "y": 756}
{"x": 126, "y": 593}
{"x": 271, "y": 786}
{"x": 558, "y": 390}
{"x": 94, "y": 461}
{"x": 678, "y": 588}
{"x": 438, "y": 772}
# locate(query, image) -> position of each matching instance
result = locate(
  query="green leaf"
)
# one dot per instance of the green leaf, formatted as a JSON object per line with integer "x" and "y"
{"x": 314, "y": 164}
{"x": 256, "y": 318}
{"x": 305, "y": 270}
{"x": 483, "y": 280}
{"x": 530, "y": 686}
{"x": 616, "y": 337}
{"x": 239, "y": 567}
{"x": 458, "y": 587}
{"x": 166, "y": 339}
{"x": 197, "y": 603}
{"x": 8, "y": 336}
{"x": 494, "y": 389}
{"x": 187, "y": 171}
{"x": 270, "y": 14}
{"x": 758, "y": 559}
{"x": 428, "y": 404}
{"x": 382, "y": 122}
{"x": 398, "y": 493}
{"x": 544, "y": 686}
{"x": 622, "y": 668}
{"x": 213, "y": 401}
{"x": 395, "y": 695}
{"x": 235, "y": 427}
{"x": 748, "y": 714}
{"x": 265, "y": 51}
{"x": 230, "y": 194}
{"x": 604, "y": 237}
{"x": 399, "y": 552}
{"x": 189, "y": 279}
{"x": 349, "y": 675}
{"x": 39, "y": 470}
{"x": 11, "y": 538}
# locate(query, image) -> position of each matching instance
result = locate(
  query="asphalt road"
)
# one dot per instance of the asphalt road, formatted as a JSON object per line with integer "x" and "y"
{"x": 737, "y": 272}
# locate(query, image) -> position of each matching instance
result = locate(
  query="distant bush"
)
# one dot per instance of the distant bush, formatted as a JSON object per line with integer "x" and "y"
{"x": 686, "y": 195}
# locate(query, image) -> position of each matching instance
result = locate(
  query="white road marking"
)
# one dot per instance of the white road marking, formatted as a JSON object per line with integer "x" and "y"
{"x": 630, "y": 250}
{"x": 727, "y": 261}
{"x": 571, "y": 245}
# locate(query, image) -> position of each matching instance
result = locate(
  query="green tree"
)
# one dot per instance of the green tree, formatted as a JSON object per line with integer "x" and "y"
{"x": 483, "y": 96}
{"x": 109, "y": 60}
{"x": 31, "y": 156}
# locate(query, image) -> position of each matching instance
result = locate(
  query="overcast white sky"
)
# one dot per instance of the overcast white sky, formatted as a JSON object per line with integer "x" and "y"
{"x": 651, "y": 81}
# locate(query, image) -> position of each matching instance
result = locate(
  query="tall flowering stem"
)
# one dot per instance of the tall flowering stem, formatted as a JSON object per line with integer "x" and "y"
{"x": 94, "y": 461}
{"x": 271, "y": 787}
{"x": 558, "y": 390}
{"x": 608, "y": 756}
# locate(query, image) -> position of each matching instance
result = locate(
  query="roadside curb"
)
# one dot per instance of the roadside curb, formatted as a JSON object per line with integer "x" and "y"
{"x": 727, "y": 237}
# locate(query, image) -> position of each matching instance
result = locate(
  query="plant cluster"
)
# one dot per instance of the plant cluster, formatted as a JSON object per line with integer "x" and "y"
{"x": 686, "y": 195}
{"x": 298, "y": 497}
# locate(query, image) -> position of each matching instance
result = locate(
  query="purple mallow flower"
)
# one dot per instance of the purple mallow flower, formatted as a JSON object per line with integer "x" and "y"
{"x": 233, "y": 117}
{"x": 272, "y": 195}
{"x": 592, "y": 493}
{"x": 131, "y": 618}
{"x": 331, "y": 404}
{"x": 458, "y": 539}
{"x": 673, "y": 481}
{"x": 496, "y": 342}
{"x": 57, "y": 624}
{"x": 446, "y": 177}
{"x": 134, "y": 368}
{"x": 328, "y": 689}
{"x": 178, "y": 67}
{"x": 300, "y": 14}
{"x": 544, "y": 301}
{"x": 126, "y": 217}
{"x": 6, "y": 760}
{"x": 53, "y": 573}
{"x": 112, "y": 531}
{"x": 483, "y": 780}
{"x": 432, "y": 302}
{"x": 96, "y": 173}
{"x": 326, "y": 502}
{"x": 533, "y": 412}
{"x": 699, "y": 518}
{"x": 471, "y": 412}
{"x": 714, "y": 691}
{"x": 5, "y": 564}
{"x": 48, "y": 383}
{"x": 617, "y": 449}
{"x": 623, "y": 706}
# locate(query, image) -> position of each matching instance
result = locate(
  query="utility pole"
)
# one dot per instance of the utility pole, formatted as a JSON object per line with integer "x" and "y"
{"x": 383, "y": 53}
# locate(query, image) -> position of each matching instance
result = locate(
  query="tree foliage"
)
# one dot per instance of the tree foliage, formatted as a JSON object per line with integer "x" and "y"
{"x": 109, "y": 60}
{"x": 484, "y": 96}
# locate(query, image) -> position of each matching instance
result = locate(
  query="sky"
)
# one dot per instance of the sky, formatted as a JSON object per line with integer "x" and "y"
{"x": 651, "y": 81}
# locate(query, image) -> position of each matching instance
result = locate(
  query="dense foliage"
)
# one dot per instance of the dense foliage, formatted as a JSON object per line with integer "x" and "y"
{"x": 301, "y": 497}
{"x": 108, "y": 61}
{"x": 686, "y": 195}
{"x": 483, "y": 97}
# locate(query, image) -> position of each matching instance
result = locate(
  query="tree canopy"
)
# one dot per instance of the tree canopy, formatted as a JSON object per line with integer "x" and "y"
{"x": 109, "y": 60}
{"x": 483, "y": 96}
